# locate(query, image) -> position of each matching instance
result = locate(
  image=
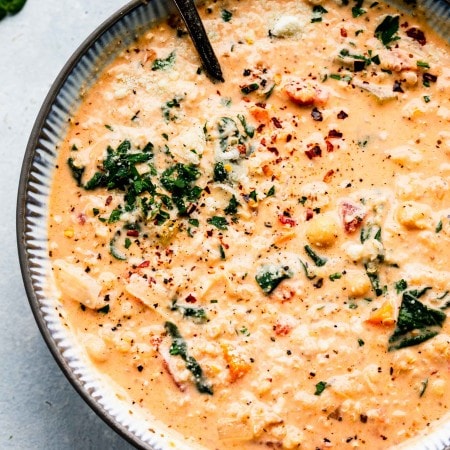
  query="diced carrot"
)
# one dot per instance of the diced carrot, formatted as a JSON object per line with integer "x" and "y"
{"x": 383, "y": 315}
{"x": 237, "y": 365}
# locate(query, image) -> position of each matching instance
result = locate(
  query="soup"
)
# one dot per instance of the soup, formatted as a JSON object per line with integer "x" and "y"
{"x": 263, "y": 263}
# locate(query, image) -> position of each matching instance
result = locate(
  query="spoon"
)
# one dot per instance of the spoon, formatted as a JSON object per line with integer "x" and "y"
{"x": 196, "y": 30}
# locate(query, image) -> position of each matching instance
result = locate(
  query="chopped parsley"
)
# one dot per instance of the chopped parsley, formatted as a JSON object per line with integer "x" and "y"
{"x": 232, "y": 206}
{"x": 320, "y": 387}
{"x": 219, "y": 222}
{"x": 387, "y": 30}
{"x": 226, "y": 15}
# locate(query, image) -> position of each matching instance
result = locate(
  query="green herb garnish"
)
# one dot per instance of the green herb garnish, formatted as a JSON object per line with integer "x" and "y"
{"x": 232, "y": 206}
{"x": 77, "y": 172}
{"x": 320, "y": 387}
{"x": 387, "y": 29}
{"x": 219, "y": 222}
{"x": 197, "y": 314}
{"x": 226, "y": 15}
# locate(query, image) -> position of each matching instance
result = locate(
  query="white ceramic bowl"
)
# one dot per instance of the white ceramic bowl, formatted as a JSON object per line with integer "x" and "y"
{"x": 32, "y": 210}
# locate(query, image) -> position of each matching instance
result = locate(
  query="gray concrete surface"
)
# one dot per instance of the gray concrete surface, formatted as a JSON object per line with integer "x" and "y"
{"x": 39, "y": 409}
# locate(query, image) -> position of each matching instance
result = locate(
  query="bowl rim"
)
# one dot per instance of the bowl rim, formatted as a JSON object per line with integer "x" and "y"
{"x": 21, "y": 210}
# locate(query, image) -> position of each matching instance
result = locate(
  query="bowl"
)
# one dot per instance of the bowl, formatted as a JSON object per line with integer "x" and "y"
{"x": 65, "y": 95}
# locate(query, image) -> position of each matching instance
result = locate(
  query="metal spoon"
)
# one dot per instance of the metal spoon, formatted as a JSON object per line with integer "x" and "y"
{"x": 196, "y": 30}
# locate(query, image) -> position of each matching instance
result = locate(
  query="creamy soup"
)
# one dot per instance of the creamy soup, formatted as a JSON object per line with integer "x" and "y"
{"x": 264, "y": 262}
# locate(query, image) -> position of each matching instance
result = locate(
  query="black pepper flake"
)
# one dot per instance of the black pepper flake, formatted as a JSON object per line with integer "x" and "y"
{"x": 316, "y": 115}
{"x": 397, "y": 86}
{"x": 342, "y": 115}
{"x": 359, "y": 65}
{"x": 427, "y": 77}
{"x": 140, "y": 368}
{"x": 247, "y": 72}
{"x": 319, "y": 283}
{"x": 363, "y": 418}
{"x": 276, "y": 122}
{"x": 334, "y": 134}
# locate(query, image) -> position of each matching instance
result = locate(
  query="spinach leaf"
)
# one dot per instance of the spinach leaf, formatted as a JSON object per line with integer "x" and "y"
{"x": 269, "y": 277}
{"x": 197, "y": 314}
{"x": 77, "y": 172}
{"x": 320, "y": 387}
{"x": 164, "y": 63}
{"x": 318, "y": 260}
{"x": 220, "y": 173}
{"x": 179, "y": 348}
{"x": 226, "y": 15}
{"x": 10, "y": 7}
{"x": 416, "y": 322}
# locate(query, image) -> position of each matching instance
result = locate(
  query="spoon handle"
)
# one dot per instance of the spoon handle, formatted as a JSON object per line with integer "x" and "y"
{"x": 199, "y": 37}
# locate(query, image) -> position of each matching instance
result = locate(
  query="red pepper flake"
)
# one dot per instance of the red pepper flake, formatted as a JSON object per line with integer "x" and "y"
{"x": 352, "y": 215}
{"x": 191, "y": 299}
{"x": 81, "y": 218}
{"x": 242, "y": 149}
{"x": 342, "y": 115}
{"x": 330, "y": 146}
{"x": 309, "y": 214}
{"x": 314, "y": 152}
{"x": 143, "y": 264}
{"x": 335, "y": 134}
{"x": 276, "y": 122}
{"x": 289, "y": 138}
{"x": 108, "y": 200}
{"x": 328, "y": 176}
{"x": 416, "y": 34}
{"x": 282, "y": 329}
{"x": 316, "y": 115}
{"x": 261, "y": 105}
{"x": 286, "y": 220}
{"x": 273, "y": 150}
{"x": 343, "y": 32}
{"x": 133, "y": 233}
{"x": 260, "y": 127}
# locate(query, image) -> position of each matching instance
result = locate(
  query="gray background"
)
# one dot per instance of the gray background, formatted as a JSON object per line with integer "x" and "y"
{"x": 39, "y": 409}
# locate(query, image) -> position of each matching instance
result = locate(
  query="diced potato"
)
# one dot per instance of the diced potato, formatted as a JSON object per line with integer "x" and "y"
{"x": 414, "y": 215}
{"x": 96, "y": 348}
{"x": 357, "y": 282}
{"x": 76, "y": 284}
{"x": 322, "y": 230}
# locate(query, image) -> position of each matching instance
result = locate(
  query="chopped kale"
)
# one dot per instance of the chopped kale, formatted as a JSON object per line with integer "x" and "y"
{"x": 179, "y": 348}
{"x": 416, "y": 322}
{"x": 104, "y": 310}
{"x": 374, "y": 277}
{"x": 269, "y": 277}
{"x": 271, "y": 192}
{"x": 401, "y": 286}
